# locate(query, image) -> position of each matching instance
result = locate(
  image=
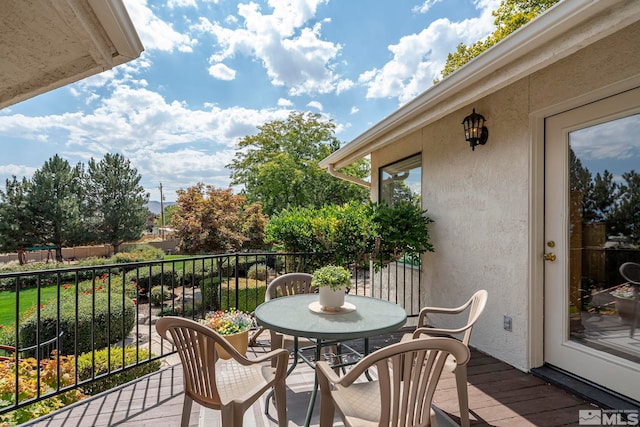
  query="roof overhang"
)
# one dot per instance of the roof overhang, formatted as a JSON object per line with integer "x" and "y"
{"x": 561, "y": 31}
{"x": 46, "y": 44}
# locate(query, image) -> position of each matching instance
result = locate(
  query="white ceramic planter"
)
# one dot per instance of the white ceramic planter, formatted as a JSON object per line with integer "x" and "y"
{"x": 330, "y": 299}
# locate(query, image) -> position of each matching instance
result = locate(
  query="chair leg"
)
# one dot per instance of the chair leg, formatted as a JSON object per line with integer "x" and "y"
{"x": 463, "y": 397}
{"x": 186, "y": 411}
{"x": 327, "y": 409}
{"x": 280, "y": 392}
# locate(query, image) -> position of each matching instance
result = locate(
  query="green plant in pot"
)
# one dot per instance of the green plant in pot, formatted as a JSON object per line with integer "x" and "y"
{"x": 332, "y": 282}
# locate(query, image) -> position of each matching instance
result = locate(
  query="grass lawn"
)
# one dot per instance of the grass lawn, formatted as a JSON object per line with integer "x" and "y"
{"x": 28, "y": 299}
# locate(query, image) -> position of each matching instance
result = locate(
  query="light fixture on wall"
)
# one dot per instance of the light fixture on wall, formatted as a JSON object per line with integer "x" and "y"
{"x": 475, "y": 132}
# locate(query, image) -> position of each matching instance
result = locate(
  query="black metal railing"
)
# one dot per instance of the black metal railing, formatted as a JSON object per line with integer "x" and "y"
{"x": 99, "y": 319}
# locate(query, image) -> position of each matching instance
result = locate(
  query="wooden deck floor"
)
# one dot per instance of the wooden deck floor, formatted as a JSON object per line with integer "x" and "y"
{"x": 499, "y": 395}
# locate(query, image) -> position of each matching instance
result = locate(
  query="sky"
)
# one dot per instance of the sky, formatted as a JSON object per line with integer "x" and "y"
{"x": 213, "y": 71}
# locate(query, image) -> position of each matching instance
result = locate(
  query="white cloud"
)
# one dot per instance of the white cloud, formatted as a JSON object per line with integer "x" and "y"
{"x": 284, "y": 103}
{"x": 354, "y": 110}
{"x": 315, "y": 104}
{"x": 17, "y": 170}
{"x": 182, "y": 3}
{"x": 154, "y": 32}
{"x": 294, "y": 55}
{"x": 424, "y": 7}
{"x": 222, "y": 72}
{"x": 165, "y": 140}
{"x": 419, "y": 58}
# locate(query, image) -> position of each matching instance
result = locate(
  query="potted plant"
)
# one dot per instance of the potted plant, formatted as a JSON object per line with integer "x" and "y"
{"x": 625, "y": 301}
{"x": 234, "y": 325}
{"x": 332, "y": 282}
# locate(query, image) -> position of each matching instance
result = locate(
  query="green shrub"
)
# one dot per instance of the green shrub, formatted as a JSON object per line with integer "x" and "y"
{"x": 146, "y": 278}
{"x": 108, "y": 326}
{"x": 113, "y": 357}
{"x": 140, "y": 252}
{"x": 7, "y": 337}
{"x": 195, "y": 272}
{"x": 210, "y": 289}
{"x": 188, "y": 311}
{"x": 258, "y": 272}
{"x": 159, "y": 294}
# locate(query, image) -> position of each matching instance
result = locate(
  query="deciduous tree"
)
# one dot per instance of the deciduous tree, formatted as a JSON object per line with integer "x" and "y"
{"x": 210, "y": 220}
{"x": 279, "y": 166}
{"x": 510, "y": 15}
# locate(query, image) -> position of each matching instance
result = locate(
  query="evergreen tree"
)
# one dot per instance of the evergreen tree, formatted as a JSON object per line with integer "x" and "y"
{"x": 16, "y": 228}
{"x": 55, "y": 204}
{"x": 116, "y": 201}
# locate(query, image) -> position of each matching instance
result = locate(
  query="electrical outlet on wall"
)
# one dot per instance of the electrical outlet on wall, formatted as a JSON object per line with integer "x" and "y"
{"x": 507, "y": 323}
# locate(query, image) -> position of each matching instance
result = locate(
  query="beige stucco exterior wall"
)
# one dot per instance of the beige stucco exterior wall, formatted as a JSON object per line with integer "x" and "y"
{"x": 481, "y": 200}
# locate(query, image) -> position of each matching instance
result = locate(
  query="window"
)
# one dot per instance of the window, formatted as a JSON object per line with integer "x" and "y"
{"x": 402, "y": 181}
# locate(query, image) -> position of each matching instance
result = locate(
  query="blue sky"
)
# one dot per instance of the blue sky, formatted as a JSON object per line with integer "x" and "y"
{"x": 214, "y": 70}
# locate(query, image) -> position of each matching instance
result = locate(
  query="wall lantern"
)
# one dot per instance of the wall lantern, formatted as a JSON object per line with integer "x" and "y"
{"x": 475, "y": 132}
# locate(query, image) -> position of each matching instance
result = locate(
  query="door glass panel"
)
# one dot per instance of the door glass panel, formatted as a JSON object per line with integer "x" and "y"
{"x": 604, "y": 206}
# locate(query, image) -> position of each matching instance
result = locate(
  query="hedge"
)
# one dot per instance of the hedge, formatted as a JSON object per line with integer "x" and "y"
{"x": 120, "y": 321}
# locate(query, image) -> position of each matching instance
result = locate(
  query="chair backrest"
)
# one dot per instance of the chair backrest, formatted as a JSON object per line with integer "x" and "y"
{"x": 477, "y": 302}
{"x": 408, "y": 374}
{"x": 196, "y": 345}
{"x": 631, "y": 272}
{"x": 290, "y": 284}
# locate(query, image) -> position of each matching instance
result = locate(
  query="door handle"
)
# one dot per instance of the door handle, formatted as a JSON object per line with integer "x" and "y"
{"x": 549, "y": 256}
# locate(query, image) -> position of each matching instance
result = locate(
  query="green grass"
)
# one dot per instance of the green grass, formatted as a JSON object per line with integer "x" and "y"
{"x": 28, "y": 299}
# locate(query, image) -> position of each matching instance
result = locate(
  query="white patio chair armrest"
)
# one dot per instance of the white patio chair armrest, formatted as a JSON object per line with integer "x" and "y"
{"x": 425, "y": 311}
{"x": 279, "y": 353}
{"x": 323, "y": 368}
{"x": 438, "y": 331}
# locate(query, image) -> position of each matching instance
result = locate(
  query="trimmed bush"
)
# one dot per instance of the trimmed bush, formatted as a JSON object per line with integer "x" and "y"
{"x": 258, "y": 272}
{"x": 113, "y": 357}
{"x": 119, "y": 321}
{"x": 159, "y": 294}
{"x": 147, "y": 278}
{"x": 140, "y": 252}
{"x": 210, "y": 289}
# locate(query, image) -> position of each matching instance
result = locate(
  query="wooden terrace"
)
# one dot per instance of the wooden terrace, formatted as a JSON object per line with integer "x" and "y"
{"x": 499, "y": 395}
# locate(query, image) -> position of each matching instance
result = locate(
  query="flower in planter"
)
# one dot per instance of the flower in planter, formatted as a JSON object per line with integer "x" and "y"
{"x": 624, "y": 291}
{"x": 228, "y": 322}
{"x": 332, "y": 276}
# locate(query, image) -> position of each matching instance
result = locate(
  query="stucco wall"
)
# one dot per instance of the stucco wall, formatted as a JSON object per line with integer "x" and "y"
{"x": 480, "y": 200}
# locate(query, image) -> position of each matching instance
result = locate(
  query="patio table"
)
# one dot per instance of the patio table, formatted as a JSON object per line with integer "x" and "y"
{"x": 297, "y": 315}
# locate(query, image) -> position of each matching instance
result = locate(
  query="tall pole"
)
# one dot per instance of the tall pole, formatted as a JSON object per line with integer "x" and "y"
{"x": 161, "y": 213}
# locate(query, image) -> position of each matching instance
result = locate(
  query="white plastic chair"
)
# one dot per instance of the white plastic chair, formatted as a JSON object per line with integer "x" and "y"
{"x": 229, "y": 386}
{"x": 631, "y": 273}
{"x": 407, "y": 376}
{"x": 475, "y": 306}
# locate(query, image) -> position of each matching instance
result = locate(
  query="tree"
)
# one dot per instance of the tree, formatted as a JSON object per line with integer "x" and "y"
{"x": 628, "y": 213}
{"x": 213, "y": 220}
{"x": 16, "y": 230}
{"x": 279, "y": 166}
{"x": 55, "y": 204}
{"x": 355, "y": 233}
{"x": 116, "y": 200}
{"x": 601, "y": 199}
{"x": 510, "y": 15}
